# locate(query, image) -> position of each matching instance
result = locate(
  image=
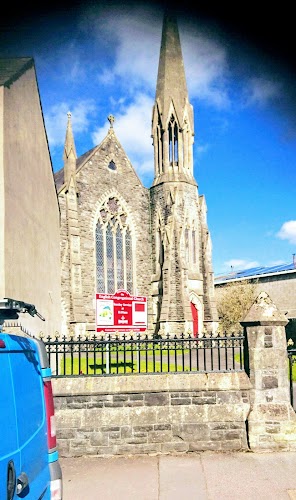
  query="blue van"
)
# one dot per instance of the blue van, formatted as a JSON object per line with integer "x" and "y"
{"x": 29, "y": 461}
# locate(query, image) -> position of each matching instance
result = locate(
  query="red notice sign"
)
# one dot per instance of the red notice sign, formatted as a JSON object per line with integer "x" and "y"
{"x": 120, "y": 312}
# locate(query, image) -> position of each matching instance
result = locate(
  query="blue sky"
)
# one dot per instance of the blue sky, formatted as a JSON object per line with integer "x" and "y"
{"x": 97, "y": 61}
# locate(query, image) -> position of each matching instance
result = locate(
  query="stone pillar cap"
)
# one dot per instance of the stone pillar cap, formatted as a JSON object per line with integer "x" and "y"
{"x": 264, "y": 312}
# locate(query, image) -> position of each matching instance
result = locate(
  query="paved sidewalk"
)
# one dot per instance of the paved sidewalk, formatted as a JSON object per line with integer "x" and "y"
{"x": 198, "y": 476}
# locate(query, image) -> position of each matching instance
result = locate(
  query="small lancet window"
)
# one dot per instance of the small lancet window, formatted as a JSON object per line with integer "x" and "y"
{"x": 173, "y": 141}
{"x": 187, "y": 244}
{"x": 112, "y": 165}
{"x": 193, "y": 247}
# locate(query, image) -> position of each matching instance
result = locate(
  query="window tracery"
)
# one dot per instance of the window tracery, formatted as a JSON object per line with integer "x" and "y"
{"x": 114, "y": 249}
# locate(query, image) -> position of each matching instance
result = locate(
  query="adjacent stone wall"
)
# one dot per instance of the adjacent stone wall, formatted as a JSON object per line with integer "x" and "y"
{"x": 272, "y": 420}
{"x": 281, "y": 287}
{"x": 148, "y": 414}
{"x": 282, "y": 290}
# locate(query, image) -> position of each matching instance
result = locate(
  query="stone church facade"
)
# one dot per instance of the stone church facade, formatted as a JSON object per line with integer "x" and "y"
{"x": 116, "y": 234}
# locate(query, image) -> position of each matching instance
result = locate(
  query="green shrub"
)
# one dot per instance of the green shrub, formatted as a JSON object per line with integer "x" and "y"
{"x": 233, "y": 302}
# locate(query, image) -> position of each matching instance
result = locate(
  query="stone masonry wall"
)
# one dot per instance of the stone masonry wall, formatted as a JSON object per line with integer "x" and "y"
{"x": 151, "y": 414}
{"x": 175, "y": 207}
{"x": 272, "y": 419}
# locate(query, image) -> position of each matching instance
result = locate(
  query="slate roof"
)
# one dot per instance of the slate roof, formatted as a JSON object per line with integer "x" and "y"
{"x": 12, "y": 68}
{"x": 59, "y": 178}
{"x": 254, "y": 272}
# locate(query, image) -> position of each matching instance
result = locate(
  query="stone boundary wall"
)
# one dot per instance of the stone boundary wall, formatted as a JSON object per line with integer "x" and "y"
{"x": 151, "y": 414}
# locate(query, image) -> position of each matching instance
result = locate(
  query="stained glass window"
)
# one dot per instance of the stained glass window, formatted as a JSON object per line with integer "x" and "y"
{"x": 129, "y": 260}
{"x": 100, "y": 258}
{"x": 119, "y": 259}
{"x": 114, "y": 249}
{"x": 110, "y": 259}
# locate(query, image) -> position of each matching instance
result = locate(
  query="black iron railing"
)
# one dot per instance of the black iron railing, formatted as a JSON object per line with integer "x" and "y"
{"x": 133, "y": 354}
{"x": 292, "y": 361}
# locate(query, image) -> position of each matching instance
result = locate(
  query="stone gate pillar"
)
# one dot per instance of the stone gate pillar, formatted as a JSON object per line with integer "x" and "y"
{"x": 272, "y": 420}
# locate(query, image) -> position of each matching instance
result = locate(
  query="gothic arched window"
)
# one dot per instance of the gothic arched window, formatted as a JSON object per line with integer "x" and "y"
{"x": 173, "y": 141}
{"x": 112, "y": 165}
{"x": 187, "y": 250}
{"x": 114, "y": 252}
{"x": 193, "y": 246}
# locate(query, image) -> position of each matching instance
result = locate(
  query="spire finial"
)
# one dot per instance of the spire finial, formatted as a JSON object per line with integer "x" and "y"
{"x": 69, "y": 149}
{"x": 111, "y": 120}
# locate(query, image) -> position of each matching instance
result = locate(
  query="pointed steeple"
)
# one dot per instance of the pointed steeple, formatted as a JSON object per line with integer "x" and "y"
{"x": 70, "y": 155}
{"x": 171, "y": 81}
{"x": 172, "y": 120}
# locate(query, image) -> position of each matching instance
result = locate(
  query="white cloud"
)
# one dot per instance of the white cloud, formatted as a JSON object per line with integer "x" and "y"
{"x": 56, "y": 120}
{"x": 137, "y": 55}
{"x": 119, "y": 64}
{"x": 122, "y": 49}
{"x": 132, "y": 126}
{"x": 288, "y": 232}
{"x": 260, "y": 90}
{"x": 107, "y": 76}
{"x": 64, "y": 63}
{"x": 134, "y": 38}
{"x": 240, "y": 264}
{"x": 206, "y": 68}
{"x": 201, "y": 149}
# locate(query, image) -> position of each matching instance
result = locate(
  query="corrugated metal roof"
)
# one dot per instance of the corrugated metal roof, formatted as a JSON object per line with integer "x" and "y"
{"x": 254, "y": 272}
{"x": 12, "y": 68}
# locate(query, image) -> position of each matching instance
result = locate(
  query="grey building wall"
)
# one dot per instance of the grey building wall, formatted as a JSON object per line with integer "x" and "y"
{"x": 282, "y": 290}
{"x": 30, "y": 242}
{"x": 281, "y": 287}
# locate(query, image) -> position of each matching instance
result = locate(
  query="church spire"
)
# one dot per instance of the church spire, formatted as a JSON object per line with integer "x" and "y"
{"x": 171, "y": 81}
{"x": 172, "y": 120}
{"x": 70, "y": 155}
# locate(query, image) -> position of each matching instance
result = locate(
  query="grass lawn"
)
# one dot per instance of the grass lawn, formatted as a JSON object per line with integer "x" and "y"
{"x": 128, "y": 364}
{"x": 294, "y": 370}
{"x": 94, "y": 365}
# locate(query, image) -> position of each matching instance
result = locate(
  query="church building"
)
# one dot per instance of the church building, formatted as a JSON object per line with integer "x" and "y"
{"x": 117, "y": 234}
